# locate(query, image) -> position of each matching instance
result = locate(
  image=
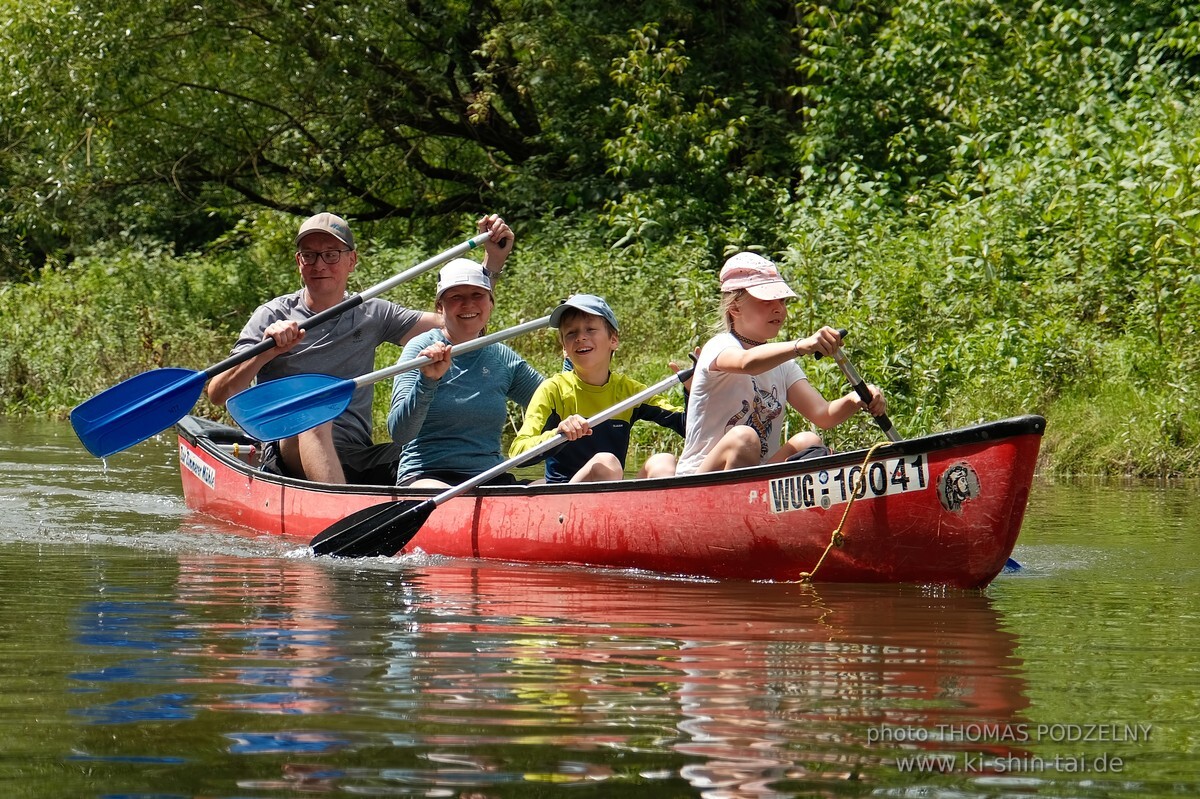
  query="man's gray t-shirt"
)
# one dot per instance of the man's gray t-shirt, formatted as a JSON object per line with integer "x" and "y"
{"x": 343, "y": 347}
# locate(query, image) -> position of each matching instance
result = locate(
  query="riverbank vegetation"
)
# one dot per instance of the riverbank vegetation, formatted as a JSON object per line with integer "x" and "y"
{"x": 998, "y": 200}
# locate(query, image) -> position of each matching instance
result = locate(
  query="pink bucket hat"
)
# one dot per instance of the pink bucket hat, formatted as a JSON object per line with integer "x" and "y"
{"x": 756, "y": 275}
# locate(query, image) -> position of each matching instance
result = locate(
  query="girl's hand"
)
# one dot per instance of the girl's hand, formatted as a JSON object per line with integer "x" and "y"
{"x": 878, "y": 404}
{"x": 825, "y": 341}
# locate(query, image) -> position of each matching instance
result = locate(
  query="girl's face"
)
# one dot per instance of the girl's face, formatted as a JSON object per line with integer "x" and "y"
{"x": 761, "y": 320}
{"x": 466, "y": 311}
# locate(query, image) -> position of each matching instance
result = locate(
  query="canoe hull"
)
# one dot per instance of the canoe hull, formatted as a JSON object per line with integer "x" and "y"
{"x": 942, "y": 509}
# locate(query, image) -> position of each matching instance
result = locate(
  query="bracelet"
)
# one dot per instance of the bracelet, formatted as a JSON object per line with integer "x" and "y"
{"x": 796, "y": 347}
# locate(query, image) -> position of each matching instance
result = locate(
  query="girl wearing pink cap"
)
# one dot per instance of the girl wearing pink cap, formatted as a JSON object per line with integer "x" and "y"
{"x": 743, "y": 379}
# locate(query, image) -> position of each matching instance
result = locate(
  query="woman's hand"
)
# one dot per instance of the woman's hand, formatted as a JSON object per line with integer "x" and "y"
{"x": 439, "y": 355}
{"x": 498, "y": 246}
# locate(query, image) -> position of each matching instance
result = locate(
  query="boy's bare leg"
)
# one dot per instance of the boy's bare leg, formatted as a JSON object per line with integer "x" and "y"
{"x": 602, "y": 466}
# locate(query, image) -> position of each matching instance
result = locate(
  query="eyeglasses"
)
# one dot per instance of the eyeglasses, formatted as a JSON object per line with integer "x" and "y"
{"x": 309, "y": 257}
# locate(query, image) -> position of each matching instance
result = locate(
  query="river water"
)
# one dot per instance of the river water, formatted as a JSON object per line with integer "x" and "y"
{"x": 147, "y": 651}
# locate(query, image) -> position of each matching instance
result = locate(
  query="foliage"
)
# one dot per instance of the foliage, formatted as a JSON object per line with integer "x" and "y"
{"x": 1000, "y": 200}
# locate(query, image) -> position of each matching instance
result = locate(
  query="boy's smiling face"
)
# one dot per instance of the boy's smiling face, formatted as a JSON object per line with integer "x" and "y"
{"x": 587, "y": 341}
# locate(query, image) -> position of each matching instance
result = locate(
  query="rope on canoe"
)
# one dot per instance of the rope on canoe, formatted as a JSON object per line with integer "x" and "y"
{"x": 836, "y": 538}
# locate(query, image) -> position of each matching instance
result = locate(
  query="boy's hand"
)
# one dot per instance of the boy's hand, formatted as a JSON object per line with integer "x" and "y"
{"x": 675, "y": 367}
{"x": 573, "y": 427}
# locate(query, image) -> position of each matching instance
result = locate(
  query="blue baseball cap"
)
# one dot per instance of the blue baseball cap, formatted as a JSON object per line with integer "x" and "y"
{"x": 588, "y": 303}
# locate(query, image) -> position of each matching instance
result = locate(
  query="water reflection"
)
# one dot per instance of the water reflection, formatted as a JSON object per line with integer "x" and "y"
{"x": 149, "y": 651}
{"x": 445, "y": 679}
{"x": 745, "y": 688}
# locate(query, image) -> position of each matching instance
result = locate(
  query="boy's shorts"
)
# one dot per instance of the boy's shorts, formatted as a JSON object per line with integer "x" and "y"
{"x": 455, "y": 478}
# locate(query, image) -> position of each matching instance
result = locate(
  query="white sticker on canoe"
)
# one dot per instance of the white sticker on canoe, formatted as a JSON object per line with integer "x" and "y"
{"x": 206, "y": 473}
{"x": 828, "y": 487}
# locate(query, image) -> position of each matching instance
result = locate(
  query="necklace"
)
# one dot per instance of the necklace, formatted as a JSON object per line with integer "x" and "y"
{"x": 746, "y": 342}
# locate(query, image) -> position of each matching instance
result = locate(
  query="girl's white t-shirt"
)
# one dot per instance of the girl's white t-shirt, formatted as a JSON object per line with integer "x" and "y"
{"x": 721, "y": 400}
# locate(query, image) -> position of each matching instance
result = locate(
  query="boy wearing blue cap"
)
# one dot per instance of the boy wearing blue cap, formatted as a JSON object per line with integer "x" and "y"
{"x": 588, "y": 332}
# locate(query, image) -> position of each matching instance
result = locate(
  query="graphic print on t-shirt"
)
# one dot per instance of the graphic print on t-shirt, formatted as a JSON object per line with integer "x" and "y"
{"x": 760, "y": 416}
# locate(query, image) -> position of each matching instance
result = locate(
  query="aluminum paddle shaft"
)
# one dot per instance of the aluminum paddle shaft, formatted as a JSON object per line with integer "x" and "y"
{"x": 384, "y": 529}
{"x": 289, "y": 406}
{"x": 148, "y": 403}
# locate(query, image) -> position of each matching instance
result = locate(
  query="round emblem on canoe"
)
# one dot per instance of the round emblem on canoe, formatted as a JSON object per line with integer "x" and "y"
{"x": 957, "y": 484}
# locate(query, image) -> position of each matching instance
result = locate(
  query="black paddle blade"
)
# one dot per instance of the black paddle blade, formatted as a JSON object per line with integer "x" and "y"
{"x": 378, "y": 531}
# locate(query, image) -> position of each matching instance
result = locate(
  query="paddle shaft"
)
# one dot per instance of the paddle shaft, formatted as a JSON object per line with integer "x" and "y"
{"x": 147, "y": 403}
{"x": 456, "y": 349}
{"x": 350, "y": 302}
{"x": 385, "y": 529}
{"x": 289, "y": 406}
{"x": 860, "y": 387}
{"x": 559, "y": 439}
{"x": 885, "y": 424}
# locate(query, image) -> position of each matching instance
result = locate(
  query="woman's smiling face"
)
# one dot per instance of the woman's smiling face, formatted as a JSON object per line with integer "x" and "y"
{"x": 466, "y": 311}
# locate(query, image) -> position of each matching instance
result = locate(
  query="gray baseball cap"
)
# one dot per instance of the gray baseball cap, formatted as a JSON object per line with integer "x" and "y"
{"x": 329, "y": 223}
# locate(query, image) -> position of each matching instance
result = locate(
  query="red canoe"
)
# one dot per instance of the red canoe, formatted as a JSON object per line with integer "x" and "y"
{"x": 942, "y": 509}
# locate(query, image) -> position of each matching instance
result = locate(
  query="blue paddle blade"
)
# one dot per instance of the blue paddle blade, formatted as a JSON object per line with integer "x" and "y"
{"x": 132, "y": 411}
{"x": 290, "y": 405}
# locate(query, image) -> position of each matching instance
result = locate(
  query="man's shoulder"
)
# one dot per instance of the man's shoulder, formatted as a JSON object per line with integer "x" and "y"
{"x": 423, "y": 340}
{"x": 284, "y": 303}
{"x": 377, "y": 306}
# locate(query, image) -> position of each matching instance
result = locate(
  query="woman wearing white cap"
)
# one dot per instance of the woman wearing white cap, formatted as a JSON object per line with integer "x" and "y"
{"x": 450, "y": 414}
{"x": 743, "y": 379}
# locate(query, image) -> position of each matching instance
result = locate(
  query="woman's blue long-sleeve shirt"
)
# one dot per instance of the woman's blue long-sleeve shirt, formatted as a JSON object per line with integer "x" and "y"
{"x": 456, "y": 423}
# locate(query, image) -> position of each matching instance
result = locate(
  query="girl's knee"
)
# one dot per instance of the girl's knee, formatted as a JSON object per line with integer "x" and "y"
{"x": 804, "y": 441}
{"x": 801, "y": 442}
{"x": 661, "y": 464}
{"x": 742, "y": 438}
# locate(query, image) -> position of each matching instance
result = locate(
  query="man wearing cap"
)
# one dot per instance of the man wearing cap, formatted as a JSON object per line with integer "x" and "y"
{"x": 744, "y": 380}
{"x": 343, "y": 347}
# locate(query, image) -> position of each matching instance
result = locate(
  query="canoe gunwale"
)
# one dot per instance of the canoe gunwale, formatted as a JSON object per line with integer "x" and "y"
{"x": 207, "y": 435}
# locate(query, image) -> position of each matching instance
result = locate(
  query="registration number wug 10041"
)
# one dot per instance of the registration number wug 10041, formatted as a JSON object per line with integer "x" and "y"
{"x": 828, "y": 487}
